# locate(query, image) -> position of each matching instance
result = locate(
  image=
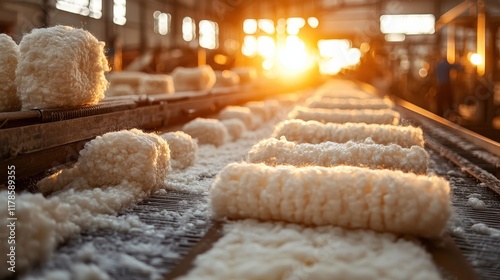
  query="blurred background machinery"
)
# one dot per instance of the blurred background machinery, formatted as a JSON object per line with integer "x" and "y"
{"x": 394, "y": 45}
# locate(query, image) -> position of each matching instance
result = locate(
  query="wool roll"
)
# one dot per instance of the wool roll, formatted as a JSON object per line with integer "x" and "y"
{"x": 193, "y": 79}
{"x": 183, "y": 149}
{"x": 9, "y": 55}
{"x": 156, "y": 84}
{"x": 345, "y": 116}
{"x": 207, "y": 131}
{"x": 367, "y": 154}
{"x": 235, "y": 128}
{"x": 127, "y": 155}
{"x": 315, "y": 132}
{"x": 244, "y": 114}
{"x": 350, "y": 197}
{"x": 350, "y": 103}
{"x": 60, "y": 66}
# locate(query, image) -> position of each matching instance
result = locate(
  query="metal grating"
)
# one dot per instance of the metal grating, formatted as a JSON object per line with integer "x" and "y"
{"x": 171, "y": 247}
{"x": 481, "y": 250}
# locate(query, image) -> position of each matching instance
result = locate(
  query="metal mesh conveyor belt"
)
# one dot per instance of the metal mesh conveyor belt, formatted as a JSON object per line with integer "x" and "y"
{"x": 175, "y": 235}
{"x": 482, "y": 251}
{"x": 162, "y": 252}
{"x": 472, "y": 172}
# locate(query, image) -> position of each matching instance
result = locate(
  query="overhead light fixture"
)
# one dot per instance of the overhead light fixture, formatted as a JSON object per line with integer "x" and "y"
{"x": 408, "y": 24}
{"x": 395, "y": 37}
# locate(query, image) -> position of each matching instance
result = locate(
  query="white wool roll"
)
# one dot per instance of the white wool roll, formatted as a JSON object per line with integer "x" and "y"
{"x": 346, "y": 196}
{"x": 350, "y": 103}
{"x": 9, "y": 55}
{"x": 130, "y": 78}
{"x": 316, "y": 132}
{"x": 260, "y": 108}
{"x": 130, "y": 155}
{"x": 226, "y": 78}
{"x": 193, "y": 79}
{"x": 207, "y": 131}
{"x": 235, "y": 128}
{"x": 120, "y": 90}
{"x": 344, "y": 93}
{"x": 183, "y": 149}
{"x": 256, "y": 250}
{"x": 375, "y": 156}
{"x": 244, "y": 114}
{"x": 156, "y": 84}
{"x": 345, "y": 116}
{"x": 60, "y": 66}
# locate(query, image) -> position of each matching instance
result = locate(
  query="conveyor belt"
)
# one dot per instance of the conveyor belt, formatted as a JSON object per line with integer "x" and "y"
{"x": 176, "y": 235}
{"x": 471, "y": 171}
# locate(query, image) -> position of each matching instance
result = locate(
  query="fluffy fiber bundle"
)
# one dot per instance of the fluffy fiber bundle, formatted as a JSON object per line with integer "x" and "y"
{"x": 315, "y": 132}
{"x": 113, "y": 172}
{"x": 350, "y": 197}
{"x": 375, "y": 156}
{"x": 183, "y": 149}
{"x": 207, "y": 131}
{"x": 128, "y": 155}
{"x": 345, "y": 116}
{"x": 156, "y": 84}
{"x": 244, "y": 114}
{"x": 235, "y": 128}
{"x": 60, "y": 66}
{"x": 261, "y": 109}
{"x": 9, "y": 54}
{"x": 344, "y": 93}
{"x": 350, "y": 103}
{"x": 276, "y": 251}
{"x": 193, "y": 79}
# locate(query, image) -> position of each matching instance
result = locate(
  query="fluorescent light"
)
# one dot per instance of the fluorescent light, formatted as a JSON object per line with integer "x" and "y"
{"x": 408, "y": 24}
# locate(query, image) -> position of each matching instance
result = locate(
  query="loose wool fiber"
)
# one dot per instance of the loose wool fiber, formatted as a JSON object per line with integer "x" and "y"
{"x": 127, "y": 155}
{"x": 183, "y": 149}
{"x": 346, "y": 196}
{"x": 244, "y": 114}
{"x": 350, "y": 103}
{"x": 375, "y": 156}
{"x": 344, "y": 116}
{"x": 207, "y": 131}
{"x": 315, "y": 132}
{"x": 252, "y": 250}
{"x": 60, "y": 66}
{"x": 9, "y": 55}
{"x": 113, "y": 172}
{"x": 193, "y": 79}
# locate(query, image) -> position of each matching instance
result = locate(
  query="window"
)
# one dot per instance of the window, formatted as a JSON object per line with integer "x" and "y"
{"x": 188, "y": 29}
{"x": 162, "y": 22}
{"x": 120, "y": 12}
{"x": 209, "y": 34}
{"x": 91, "y": 8}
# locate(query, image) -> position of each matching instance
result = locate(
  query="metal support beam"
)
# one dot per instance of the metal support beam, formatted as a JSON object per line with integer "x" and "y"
{"x": 454, "y": 13}
{"x": 481, "y": 37}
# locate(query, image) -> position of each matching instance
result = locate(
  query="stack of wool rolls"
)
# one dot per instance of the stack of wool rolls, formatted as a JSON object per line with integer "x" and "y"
{"x": 52, "y": 67}
{"x": 341, "y": 178}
